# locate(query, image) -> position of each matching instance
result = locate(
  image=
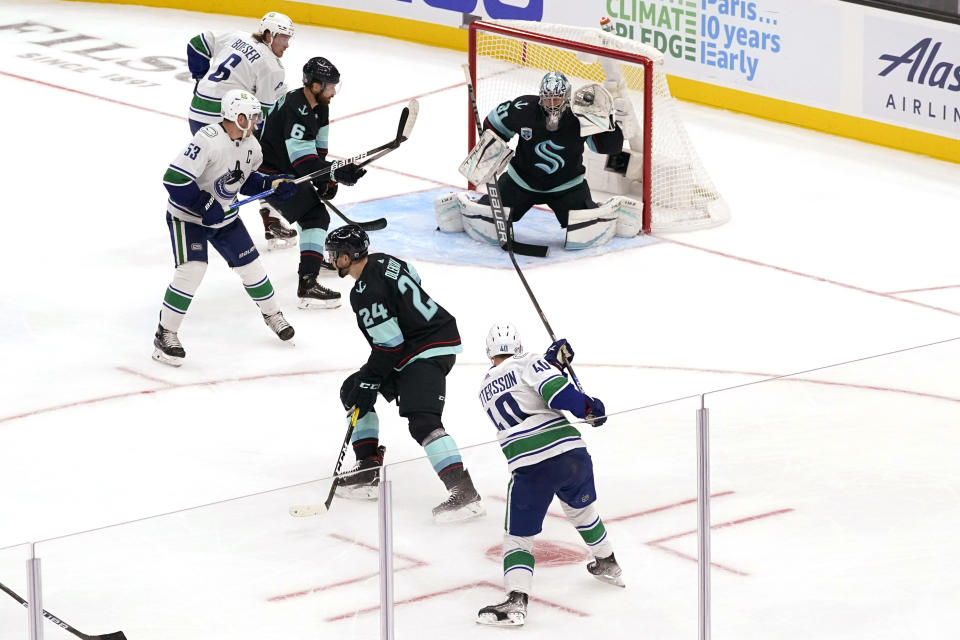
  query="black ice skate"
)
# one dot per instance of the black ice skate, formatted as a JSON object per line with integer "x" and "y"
{"x": 168, "y": 348}
{"x": 462, "y": 504}
{"x": 512, "y": 612}
{"x": 316, "y": 296}
{"x": 278, "y": 235}
{"x": 279, "y": 325}
{"x": 361, "y": 482}
{"x": 606, "y": 570}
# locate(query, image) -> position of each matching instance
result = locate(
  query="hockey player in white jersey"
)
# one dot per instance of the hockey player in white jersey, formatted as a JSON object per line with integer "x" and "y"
{"x": 202, "y": 182}
{"x": 222, "y": 62}
{"x": 524, "y": 395}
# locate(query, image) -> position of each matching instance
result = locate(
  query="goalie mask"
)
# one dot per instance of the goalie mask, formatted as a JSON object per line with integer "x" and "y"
{"x": 554, "y": 97}
{"x": 237, "y": 102}
{"x": 503, "y": 339}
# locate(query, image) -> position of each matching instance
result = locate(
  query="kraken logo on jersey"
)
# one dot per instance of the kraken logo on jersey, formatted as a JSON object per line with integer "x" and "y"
{"x": 546, "y": 151}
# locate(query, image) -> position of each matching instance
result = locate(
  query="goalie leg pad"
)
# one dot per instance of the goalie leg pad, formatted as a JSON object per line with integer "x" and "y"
{"x": 591, "y": 227}
{"x": 487, "y": 159}
{"x": 448, "y": 210}
{"x": 629, "y": 217}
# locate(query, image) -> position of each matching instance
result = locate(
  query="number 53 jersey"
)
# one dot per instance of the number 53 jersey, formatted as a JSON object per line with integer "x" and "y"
{"x": 516, "y": 397}
{"x": 397, "y": 317}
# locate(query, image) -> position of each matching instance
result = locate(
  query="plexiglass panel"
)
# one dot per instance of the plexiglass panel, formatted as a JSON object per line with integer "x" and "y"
{"x": 838, "y": 501}
{"x": 14, "y": 623}
{"x": 239, "y": 569}
{"x": 645, "y": 478}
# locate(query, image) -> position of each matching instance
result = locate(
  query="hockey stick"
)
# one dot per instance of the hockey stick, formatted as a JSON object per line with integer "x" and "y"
{"x": 504, "y": 225}
{"x": 116, "y": 635}
{"x": 408, "y": 117}
{"x": 369, "y": 225}
{"x": 304, "y": 510}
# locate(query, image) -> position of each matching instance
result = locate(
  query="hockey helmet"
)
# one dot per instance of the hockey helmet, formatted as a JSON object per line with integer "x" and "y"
{"x": 236, "y": 102}
{"x": 320, "y": 70}
{"x": 349, "y": 239}
{"x": 277, "y": 24}
{"x": 554, "y": 93}
{"x": 503, "y": 339}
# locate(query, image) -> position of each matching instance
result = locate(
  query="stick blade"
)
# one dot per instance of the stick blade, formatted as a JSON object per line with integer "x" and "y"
{"x": 373, "y": 225}
{"x": 412, "y": 108}
{"x": 116, "y": 635}
{"x": 307, "y": 510}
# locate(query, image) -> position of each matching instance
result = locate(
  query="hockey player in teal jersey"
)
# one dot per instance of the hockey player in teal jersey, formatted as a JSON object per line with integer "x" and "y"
{"x": 202, "y": 182}
{"x": 524, "y": 396}
{"x": 413, "y": 345}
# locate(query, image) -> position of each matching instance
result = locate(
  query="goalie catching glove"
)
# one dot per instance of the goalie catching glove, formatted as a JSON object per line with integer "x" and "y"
{"x": 487, "y": 159}
{"x": 593, "y": 106}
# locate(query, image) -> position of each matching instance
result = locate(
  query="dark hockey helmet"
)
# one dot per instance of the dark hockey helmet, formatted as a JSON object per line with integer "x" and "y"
{"x": 320, "y": 70}
{"x": 349, "y": 239}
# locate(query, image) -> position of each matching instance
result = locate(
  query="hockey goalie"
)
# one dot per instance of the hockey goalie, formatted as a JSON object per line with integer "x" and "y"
{"x": 551, "y": 128}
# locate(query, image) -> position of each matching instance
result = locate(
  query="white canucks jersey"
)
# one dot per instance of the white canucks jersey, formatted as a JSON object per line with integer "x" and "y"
{"x": 218, "y": 165}
{"x": 237, "y": 61}
{"x": 515, "y": 395}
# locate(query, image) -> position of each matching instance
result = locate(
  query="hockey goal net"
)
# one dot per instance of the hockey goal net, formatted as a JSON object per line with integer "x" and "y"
{"x": 660, "y": 166}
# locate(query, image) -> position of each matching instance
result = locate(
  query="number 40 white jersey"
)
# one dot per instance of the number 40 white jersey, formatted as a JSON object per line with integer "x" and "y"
{"x": 516, "y": 395}
{"x": 237, "y": 61}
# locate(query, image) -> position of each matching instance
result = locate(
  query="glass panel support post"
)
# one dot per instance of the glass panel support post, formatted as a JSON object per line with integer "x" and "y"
{"x": 385, "y": 518}
{"x": 34, "y": 599}
{"x": 703, "y": 519}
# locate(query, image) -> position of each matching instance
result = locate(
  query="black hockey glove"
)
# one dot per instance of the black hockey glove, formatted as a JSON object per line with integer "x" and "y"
{"x": 366, "y": 397}
{"x": 331, "y": 192}
{"x": 595, "y": 410}
{"x": 208, "y": 208}
{"x": 348, "y": 174}
{"x": 283, "y": 189}
{"x": 559, "y": 354}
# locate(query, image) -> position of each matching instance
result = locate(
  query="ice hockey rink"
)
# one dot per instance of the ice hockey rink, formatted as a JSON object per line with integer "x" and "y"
{"x": 819, "y": 326}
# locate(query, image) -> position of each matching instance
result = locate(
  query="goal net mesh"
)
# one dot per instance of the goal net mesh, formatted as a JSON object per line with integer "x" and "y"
{"x": 682, "y": 195}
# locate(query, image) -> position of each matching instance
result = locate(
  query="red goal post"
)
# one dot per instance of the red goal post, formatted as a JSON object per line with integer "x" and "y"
{"x": 507, "y": 58}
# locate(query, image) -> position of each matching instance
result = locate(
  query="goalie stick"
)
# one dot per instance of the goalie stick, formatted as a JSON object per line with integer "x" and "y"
{"x": 504, "y": 225}
{"x": 369, "y": 225}
{"x": 116, "y": 635}
{"x": 305, "y": 510}
{"x": 408, "y": 117}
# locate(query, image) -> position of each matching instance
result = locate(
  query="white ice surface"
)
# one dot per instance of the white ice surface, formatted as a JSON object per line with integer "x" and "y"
{"x": 836, "y": 504}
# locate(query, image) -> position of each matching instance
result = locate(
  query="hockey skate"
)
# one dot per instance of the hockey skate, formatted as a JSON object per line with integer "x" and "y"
{"x": 168, "y": 348}
{"x": 278, "y": 235}
{"x": 512, "y": 612}
{"x": 606, "y": 570}
{"x": 316, "y": 296}
{"x": 279, "y": 325}
{"x": 362, "y": 482}
{"x": 462, "y": 504}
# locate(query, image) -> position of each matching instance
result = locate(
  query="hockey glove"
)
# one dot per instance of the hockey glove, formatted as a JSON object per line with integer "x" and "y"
{"x": 348, "y": 174}
{"x": 366, "y": 394}
{"x": 559, "y": 354}
{"x": 331, "y": 191}
{"x": 283, "y": 189}
{"x": 208, "y": 208}
{"x": 595, "y": 411}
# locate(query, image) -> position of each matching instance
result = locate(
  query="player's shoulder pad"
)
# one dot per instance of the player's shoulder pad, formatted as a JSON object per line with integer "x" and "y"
{"x": 524, "y": 102}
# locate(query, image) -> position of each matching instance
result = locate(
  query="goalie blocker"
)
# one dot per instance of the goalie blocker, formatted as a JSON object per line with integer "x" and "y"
{"x": 617, "y": 216}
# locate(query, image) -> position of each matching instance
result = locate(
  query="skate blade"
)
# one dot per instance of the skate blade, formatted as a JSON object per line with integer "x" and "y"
{"x": 514, "y": 619}
{"x": 466, "y": 512}
{"x": 279, "y": 244}
{"x": 313, "y": 303}
{"x": 365, "y": 492}
{"x": 160, "y": 356}
{"x": 615, "y": 581}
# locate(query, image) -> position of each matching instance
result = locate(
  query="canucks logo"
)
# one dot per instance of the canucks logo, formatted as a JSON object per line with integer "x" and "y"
{"x": 227, "y": 185}
{"x": 552, "y": 162}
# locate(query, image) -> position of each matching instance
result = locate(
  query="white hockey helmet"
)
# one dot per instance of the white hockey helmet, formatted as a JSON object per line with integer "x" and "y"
{"x": 503, "y": 339}
{"x": 276, "y": 24}
{"x": 236, "y": 102}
